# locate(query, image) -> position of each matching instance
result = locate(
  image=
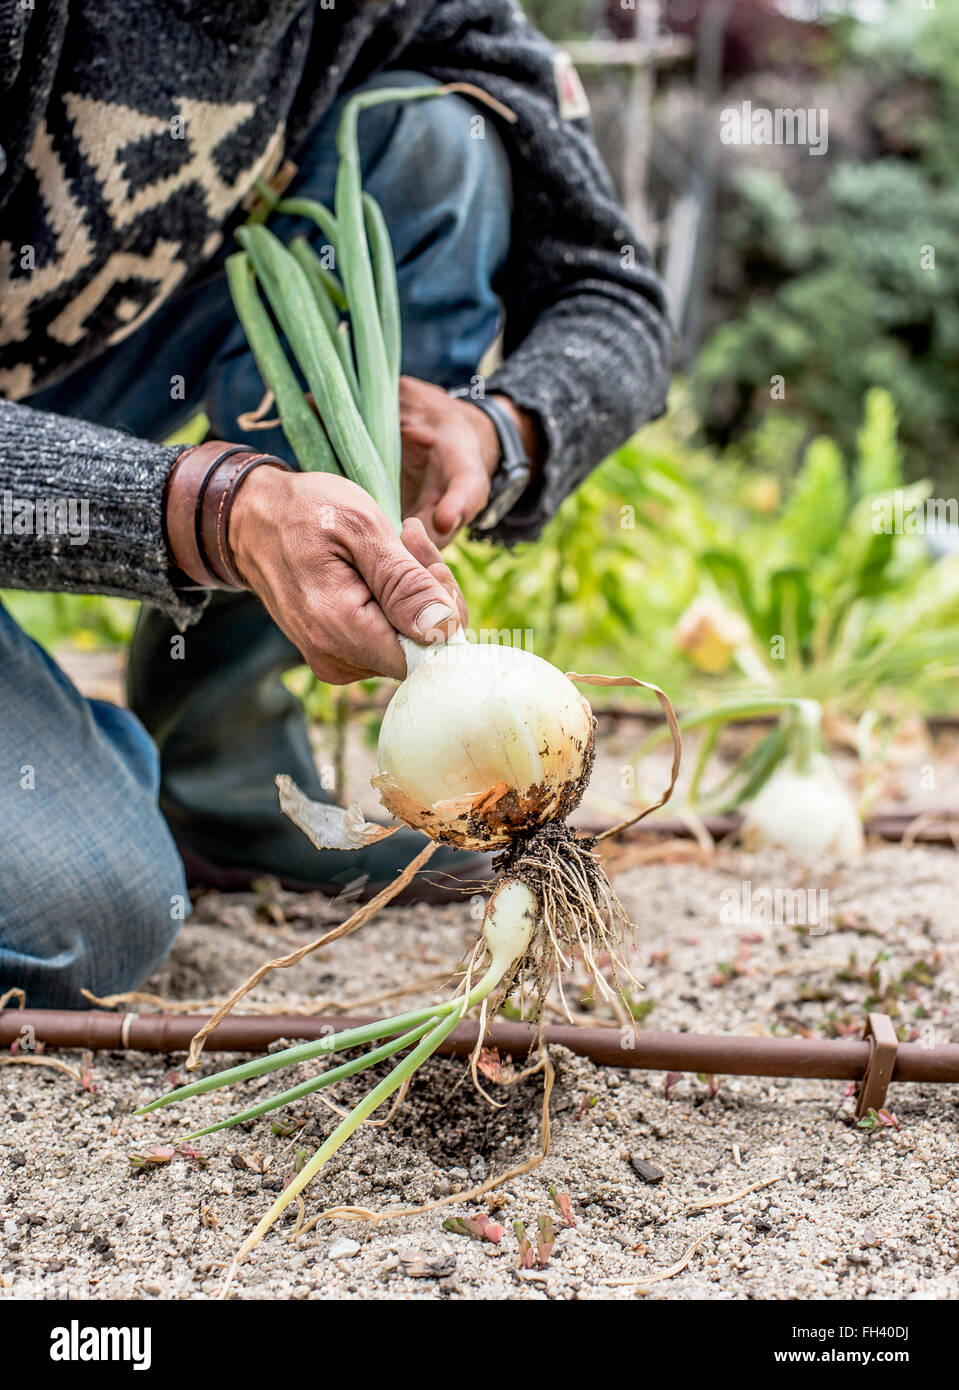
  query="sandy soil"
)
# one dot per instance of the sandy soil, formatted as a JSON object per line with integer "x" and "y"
{"x": 847, "y": 1214}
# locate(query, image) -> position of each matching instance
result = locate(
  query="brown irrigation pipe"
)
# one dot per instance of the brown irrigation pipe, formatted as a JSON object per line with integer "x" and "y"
{"x": 843, "y": 1059}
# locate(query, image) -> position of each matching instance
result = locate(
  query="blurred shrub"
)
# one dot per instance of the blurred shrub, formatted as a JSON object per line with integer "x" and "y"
{"x": 841, "y": 610}
{"x": 866, "y": 291}
{"x": 83, "y": 621}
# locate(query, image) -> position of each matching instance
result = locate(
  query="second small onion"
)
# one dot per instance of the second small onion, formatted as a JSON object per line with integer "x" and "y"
{"x": 482, "y": 743}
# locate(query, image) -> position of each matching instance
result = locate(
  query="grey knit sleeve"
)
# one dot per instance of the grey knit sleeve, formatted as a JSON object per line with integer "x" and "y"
{"x": 81, "y": 510}
{"x": 588, "y": 340}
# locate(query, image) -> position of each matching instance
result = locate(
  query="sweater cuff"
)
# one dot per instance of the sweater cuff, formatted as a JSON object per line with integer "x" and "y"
{"x": 118, "y": 482}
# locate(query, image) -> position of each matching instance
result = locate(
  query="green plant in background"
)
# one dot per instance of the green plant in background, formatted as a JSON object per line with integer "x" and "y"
{"x": 594, "y": 581}
{"x": 561, "y": 19}
{"x": 823, "y": 610}
{"x": 839, "y": 608}
{"x": 868, "y": 308}
{"x": 86, "y": 622}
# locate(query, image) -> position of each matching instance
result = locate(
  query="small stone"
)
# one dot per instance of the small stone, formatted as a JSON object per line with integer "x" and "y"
{"x": 417, "y": 1265}
{"x": 18, "y": 1159}
{"x": 645, "y": 1170}
{"x": 343, "y": 1249}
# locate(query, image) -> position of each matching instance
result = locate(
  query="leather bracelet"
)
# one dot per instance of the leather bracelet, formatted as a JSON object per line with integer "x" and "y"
{"x": 197, "y": 493}
{"x": 217, "y": 504}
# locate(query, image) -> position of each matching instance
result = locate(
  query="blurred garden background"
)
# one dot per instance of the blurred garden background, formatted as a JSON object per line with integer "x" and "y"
{"x": 730, "y": 552}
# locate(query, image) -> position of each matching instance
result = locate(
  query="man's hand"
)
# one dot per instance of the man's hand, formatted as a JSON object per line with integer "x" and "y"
{"x": 450, "y": 453}
{"x": 329, "y": 568}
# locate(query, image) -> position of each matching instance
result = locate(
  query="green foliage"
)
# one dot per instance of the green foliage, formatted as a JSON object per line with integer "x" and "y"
{"x": 560, "y": 19}
{"x": 857, "y": 286}
{"x": 863, "y": 313}
{"x": 84, "y": 621}
{"x": 842, "y": 615}
{"x": 838, "y": 608}
{"x": 604, "y": 584}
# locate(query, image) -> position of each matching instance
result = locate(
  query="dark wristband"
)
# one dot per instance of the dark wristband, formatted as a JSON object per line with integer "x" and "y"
{"x": 198, "y": 498}
{"x": 217, "y": 504}
{"x": 514, "y": 470}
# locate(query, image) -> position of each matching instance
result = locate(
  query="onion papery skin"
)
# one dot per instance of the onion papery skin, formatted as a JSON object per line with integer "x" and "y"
{"x": 483, "y": 743}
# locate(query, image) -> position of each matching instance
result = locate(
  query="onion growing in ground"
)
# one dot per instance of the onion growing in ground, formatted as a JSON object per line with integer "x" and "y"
{"x": 482, "y": 747}
{"x": 804, "y": 805}
{"x": 807, "y": 809}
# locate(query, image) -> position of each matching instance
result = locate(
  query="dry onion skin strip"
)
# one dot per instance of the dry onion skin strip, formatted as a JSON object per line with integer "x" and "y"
{"x": 482, "y": 746}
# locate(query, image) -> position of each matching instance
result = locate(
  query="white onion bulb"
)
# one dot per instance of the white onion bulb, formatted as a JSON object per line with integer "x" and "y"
{"x": 482, "y": 742}
{"x": 809, "y": 811}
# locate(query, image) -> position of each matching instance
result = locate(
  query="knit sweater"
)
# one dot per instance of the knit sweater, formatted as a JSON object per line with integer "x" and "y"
{"x": 103, "y": 216}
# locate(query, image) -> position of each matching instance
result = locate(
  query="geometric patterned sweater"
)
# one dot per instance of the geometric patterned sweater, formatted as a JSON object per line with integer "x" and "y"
{"x": 103, "y": 216}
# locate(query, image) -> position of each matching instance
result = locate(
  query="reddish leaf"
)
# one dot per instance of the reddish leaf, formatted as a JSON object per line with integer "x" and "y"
{"x": 545, "y": 1241}
{"x": 492, "y": 1066}
{"x": 480, "y": 1227}
{"x": 152, "y": 1156}
{"x": 156, "y": 1154}
{"x": 527, "y": 1256}
{"x": 563, "y": 1206}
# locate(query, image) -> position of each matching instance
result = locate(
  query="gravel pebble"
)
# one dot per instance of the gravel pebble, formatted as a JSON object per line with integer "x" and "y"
{"x": 343, "y": 1249}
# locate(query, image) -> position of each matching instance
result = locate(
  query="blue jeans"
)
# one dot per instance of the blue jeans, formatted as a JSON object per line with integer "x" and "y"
{"x": 92, "y": 892}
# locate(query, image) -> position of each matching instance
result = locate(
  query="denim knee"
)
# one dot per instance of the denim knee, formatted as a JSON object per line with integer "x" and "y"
{"x": 96, "y": 905}
{"x": 101, "y": 922}
{"x": 92, "y": 889}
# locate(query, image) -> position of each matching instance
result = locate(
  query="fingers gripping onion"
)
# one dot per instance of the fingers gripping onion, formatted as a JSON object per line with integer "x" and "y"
{"x": 482, "y": 742}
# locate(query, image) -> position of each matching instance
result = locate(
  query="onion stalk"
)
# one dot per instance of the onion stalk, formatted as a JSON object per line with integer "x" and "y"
{"x": 482, "y": 746}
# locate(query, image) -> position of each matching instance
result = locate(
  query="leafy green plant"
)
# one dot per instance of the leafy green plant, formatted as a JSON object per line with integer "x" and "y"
{"x": 84, "y": 621}
{"x": 836, "y": 613}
